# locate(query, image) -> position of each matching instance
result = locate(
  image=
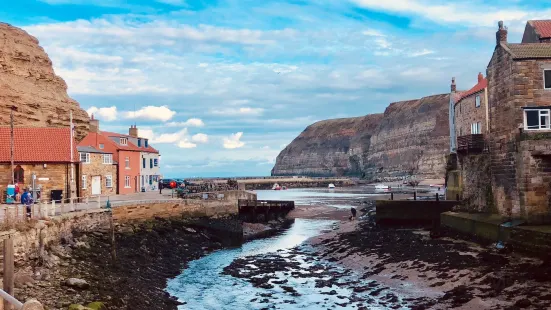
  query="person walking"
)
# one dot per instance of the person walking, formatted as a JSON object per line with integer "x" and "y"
{"x": 353, "y": 211}
{"x": 26, "y": 200}
{"x": 160, "y": 187}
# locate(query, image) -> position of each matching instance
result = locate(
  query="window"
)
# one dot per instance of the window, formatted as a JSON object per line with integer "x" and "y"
{"x": 84, "y": 183}
{"x": 124, "y": 141}
{"x": 156, "y": 162}
{"x": 476, "y": 129}
{"x": 19, "y": 174}
{"x": 127, "y": 162}
{"x": 139, "y": 142}
{"x": 150, "y": 180}
{"x": 536, "y": 119}
{"x": 146, "y": 143}
{"x": 107, "y": 159}
{"x": 101, "y": 146}
{"x": 143, "y": 162}
{"x": 85, "y": 158}
{"x": 547, "y": 79}
{"x": 151, "y": 163}
{"x": 127, "y": 181}
{"x": 477, "y": 101}
{"x": 108, "y": 181}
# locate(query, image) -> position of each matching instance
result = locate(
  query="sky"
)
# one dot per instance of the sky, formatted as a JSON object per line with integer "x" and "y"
{"x": 221, "y": 87}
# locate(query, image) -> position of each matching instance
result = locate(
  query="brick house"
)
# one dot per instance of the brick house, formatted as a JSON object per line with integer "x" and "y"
{"x": 98, "y": 172}
{"x": 519, "y": 137}
{"x": 44, "y": 153}
{"x": 126, "y": 153}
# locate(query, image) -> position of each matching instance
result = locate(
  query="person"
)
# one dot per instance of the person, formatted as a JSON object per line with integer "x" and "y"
{"x": 26, "y": 199}
{"x": 160, "y": 187}
{"x": 353, "y": 210}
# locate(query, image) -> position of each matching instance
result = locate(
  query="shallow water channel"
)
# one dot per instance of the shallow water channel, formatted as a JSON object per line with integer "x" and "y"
{"x": 290, "y": 274}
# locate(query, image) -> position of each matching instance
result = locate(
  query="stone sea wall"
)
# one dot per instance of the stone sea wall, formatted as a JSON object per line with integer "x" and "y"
{"x": 411, "y": 137}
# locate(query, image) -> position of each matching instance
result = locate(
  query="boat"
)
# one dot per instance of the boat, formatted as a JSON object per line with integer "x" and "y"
{"x": 381, "y": 186}
{"x": 331, "y": 186}
{"x": 276, "y": 187}
{"x": 284, "y": 188}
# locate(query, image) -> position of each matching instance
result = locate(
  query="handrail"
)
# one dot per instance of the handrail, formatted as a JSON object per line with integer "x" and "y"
{"x": 11, "y": 299}
{"x": 31, "y": 304}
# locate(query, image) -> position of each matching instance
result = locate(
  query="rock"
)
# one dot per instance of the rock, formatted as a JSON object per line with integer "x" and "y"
{"x": 82, "y": 245}
{"x": 22, "y": 279}
{"x": 523, "y": 303}
{"x": 97, "y": 305}
{"x": 27, "y": 77}
{"x": 78, "y": 307}
{"x": 191, "y": 230}
{"x": 77, "y": 283}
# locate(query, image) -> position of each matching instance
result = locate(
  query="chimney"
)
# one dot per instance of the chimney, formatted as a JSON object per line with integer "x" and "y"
{"x": 480, "y": 77}
{"x": 94, "y": 124}
{"x": 501, "y": 34}
{"x": 133, "y": 131}
{"x": 454, "y": 88}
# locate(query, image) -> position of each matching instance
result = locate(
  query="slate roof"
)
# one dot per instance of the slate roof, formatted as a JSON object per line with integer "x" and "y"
{"x": 37, "y": 145}
{"x": 91, "y": 149}
{"x": 542, "y": 27}
{"x": 529, "y": 50}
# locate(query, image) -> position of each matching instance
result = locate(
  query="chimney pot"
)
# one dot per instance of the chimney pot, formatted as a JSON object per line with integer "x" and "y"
{"x": 453, "y": 87}
{"x": 501, "y": 34}
{"x": 133, "y": 131}
{"x": 480, "y": 77}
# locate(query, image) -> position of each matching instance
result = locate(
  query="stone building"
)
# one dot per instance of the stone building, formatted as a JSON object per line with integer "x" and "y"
{"x": 127, "y": 152}
{"x": 519, "y": 91}
{"x": 43, "y": 154}
{"x": 471, "y": 114}
{"x": 537, "y": 31}
{"x": 98, "y": 172}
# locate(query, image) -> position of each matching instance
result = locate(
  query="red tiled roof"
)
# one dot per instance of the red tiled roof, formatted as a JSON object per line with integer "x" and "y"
{"x": 38, "y": 145}
{"x": 477, "y": 88}
{"x": 542, "y": 27}
{"x": 131, "y": 146}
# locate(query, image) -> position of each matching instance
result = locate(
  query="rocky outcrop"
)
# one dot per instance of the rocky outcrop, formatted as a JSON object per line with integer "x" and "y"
{"x": 28, "y": 82}
{"x": 335, "y": 147}
{"x": 411, "y": 137}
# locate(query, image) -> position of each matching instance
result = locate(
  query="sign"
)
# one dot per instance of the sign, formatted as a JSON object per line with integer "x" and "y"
{"x": 172, "y": 184}
{"x": 43, "y": 179}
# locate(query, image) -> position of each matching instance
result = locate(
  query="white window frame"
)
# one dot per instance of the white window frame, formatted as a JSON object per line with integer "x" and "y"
{"x": 548, "y": 88}
{"x": 541, "y": 112}
{"x": 124, "y": 141}
{"x": 107, "y": 159}
{"x": 127, "y": 181}
{"x": 155, "y": 162}
{"x": 84, "y": 182}
{"x": 477, "y": 101}
{"x": 127, "y": 162}
{"x": 86, "y": 158}
{"x": 109, "y": 181}
{"x": 476, "y": 128}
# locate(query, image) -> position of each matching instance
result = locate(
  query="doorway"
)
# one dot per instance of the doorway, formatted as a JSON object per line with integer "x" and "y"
{"x": 96, "y": 185}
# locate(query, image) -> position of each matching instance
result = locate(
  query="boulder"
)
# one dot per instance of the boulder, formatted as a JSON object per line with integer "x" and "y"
{"x": 21, "y": 279}
{"x": 77, "y": 283}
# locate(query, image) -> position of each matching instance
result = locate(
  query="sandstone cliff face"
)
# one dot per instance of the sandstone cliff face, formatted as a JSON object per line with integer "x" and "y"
{"x": 329, "y": 148}
{"x": 410, "y": 137}
{"x": 28, "y": 82}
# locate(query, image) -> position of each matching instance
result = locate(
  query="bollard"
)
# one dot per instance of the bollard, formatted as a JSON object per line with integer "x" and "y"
{"x": 53, "y": 207}
{"x": 391, "y": 196}
{"x": 99, "y": 202}
{"x": 415, "y": 195}
{"x": 437, "y": 197}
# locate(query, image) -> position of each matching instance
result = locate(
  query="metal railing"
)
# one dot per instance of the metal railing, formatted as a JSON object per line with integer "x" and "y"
{"x": 31, "y": 304}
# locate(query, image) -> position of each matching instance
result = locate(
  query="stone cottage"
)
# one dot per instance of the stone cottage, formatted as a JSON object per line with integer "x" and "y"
{"x": 519, "y": 94}
{"x": 42, "y": 154}
{"x": 98, "y": 172}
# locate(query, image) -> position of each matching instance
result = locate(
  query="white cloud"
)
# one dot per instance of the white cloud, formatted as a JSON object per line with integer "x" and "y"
{"x": 173, "y": 2}
{"x": 373, "y": 33}
{"x": 420, "y": 53}
{"x": 192, "y": 122}
{"x": 185, "y": 144}
{"x": 107, "y": 114}
{"x": 146, "y": 133}
{"x": 238, "y": 111}
{"x": 152, "y": 113}
{"x": 200, "y": 138}
{"x": 234, "y": 141}
{"x": 171, "y": 137}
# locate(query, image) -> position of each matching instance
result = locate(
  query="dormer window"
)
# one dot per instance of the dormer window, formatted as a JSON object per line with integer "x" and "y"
{"x": 139, "y": 142}
{"x": 146, "y": 143}
{"x": 124, "y": 141}
{"x": 547, "y": 79}
{"x": 101, "y": 146}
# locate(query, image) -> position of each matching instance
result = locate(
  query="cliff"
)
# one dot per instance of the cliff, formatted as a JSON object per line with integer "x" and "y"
{"x": 410, "y": 137}
{"x": 28, "y": 82}
{"x": 335, "y": 147}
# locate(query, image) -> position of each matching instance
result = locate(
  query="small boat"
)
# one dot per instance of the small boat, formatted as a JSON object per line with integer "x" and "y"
{"x": 331, "y": 186}
{"x": 276, "y": 187}
{"x": 381, "y": 186}
{"x": 284, "y": 188}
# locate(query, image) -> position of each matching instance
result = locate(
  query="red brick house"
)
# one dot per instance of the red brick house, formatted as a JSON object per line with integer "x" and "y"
{"x": 126, "y": 153}
{"x": 519, "y": 136}
{"x": 44, "y": 153}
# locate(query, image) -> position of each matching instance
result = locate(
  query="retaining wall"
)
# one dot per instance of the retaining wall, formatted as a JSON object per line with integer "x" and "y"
{"x": 407, "y": 211}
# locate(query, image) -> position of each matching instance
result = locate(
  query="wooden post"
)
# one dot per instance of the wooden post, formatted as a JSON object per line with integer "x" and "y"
{"x": 415, "y": 195}
{"x": 99, "y": 202}
{"x": 112, "y": 232}
{"x": 8, "y": 270}
{"x": 16, "y": 213}
{"x": 437, "y": 197}
{"x": 6, "y": 221}
{"x": 391, "y": 196}
{"x": 53, "y": 207}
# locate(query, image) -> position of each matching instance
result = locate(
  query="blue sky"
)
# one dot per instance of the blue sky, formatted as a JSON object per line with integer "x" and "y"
{"x": 220, "y": 87}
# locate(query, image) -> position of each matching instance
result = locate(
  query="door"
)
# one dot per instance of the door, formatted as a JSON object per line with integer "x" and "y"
{"x": 96, "y": 185}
